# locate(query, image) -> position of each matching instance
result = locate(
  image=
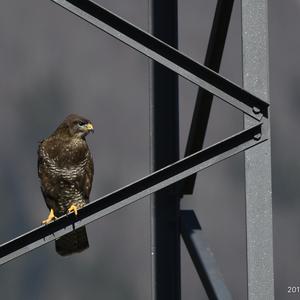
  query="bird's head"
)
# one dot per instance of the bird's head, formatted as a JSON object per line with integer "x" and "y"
{"x": 76, "y": 126}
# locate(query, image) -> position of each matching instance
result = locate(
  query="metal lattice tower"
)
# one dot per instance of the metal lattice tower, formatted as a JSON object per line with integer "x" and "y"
{"x": 172, "y": 178}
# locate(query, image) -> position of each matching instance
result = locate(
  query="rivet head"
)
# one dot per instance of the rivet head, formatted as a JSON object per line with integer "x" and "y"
{"x": 256, "y": 110}
{"x": 257, "y": 137}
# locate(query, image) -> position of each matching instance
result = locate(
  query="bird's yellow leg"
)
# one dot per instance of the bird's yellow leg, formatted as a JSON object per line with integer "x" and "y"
{"x": 50, "y": 217}
{"x": 73, "y": 208}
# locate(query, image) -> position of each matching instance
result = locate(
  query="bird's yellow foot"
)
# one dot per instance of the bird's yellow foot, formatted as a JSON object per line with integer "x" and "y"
{"x": 50, "y": 217}
{"x": 73, "y": 208}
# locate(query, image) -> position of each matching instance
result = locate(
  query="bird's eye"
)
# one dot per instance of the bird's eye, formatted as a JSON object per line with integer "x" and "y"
{"x": 81, "y": 123}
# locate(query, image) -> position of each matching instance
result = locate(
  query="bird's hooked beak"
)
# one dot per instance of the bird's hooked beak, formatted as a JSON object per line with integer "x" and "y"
{"x": 89, "y": 127}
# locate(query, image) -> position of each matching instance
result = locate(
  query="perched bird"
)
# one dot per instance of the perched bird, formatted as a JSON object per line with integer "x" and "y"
{"x": 65, "y": 169}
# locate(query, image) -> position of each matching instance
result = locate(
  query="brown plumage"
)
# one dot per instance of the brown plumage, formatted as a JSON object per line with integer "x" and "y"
{"x": 66, "y": 170}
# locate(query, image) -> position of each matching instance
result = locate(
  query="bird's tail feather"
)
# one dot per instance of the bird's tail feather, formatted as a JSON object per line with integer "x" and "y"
{"x": 73, "y": 242}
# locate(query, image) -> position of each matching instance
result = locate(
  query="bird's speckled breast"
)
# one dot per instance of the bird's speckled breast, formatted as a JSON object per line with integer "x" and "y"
{"x": 64, "y": 167}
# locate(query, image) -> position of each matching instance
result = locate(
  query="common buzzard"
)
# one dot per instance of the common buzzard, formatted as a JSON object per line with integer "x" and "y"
{"x": 65, "y": 169}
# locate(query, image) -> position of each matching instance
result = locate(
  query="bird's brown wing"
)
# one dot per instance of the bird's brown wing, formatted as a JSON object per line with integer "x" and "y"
{"x": 40, "y": 159}
{"x": 47, "y": 186}
{"x": 41, "y": 171}
{"x": 88, "y": 178}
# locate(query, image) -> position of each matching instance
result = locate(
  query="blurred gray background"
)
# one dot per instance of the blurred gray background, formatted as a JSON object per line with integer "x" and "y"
{"x": 52, "y": 64}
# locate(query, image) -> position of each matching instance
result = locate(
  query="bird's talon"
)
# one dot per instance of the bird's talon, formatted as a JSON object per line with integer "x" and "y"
{"x": 73, "y": 208}
{"x": 50, "y": 218}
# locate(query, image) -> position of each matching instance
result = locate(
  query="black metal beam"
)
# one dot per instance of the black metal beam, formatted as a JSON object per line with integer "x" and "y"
{"x": 133, "y": 192}
{"x": 204, "y": 99}
{"x": 202, "y": 257}
{"x": 164, "y": 134}
{"x": 167, "y": 56}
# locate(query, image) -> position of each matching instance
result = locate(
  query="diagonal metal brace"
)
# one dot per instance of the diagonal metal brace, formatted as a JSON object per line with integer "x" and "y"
{"x": 202, "y": 257}
{"x": 204, "y": 99}
{"x": 133, "y": 192}
{"x": 167, "y": 56}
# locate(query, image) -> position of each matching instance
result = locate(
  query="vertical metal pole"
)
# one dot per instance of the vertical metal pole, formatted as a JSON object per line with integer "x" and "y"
{"x": 258, "y": 159}
{"x": 165, "y": 215}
